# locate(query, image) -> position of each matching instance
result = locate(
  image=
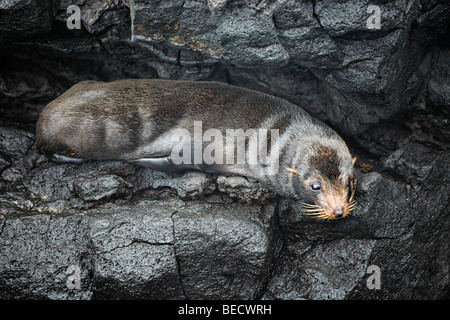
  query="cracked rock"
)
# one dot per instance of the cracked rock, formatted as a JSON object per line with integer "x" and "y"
{"x": 246, "y": 189}
{"x": 195, "y": 183}
{"x": 222, "y": 251}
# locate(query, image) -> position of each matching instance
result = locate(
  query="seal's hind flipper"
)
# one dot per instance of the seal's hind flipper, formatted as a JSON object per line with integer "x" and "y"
{"x": 154, "y": 163}
{"x": 163, "y": 163}
{"x": 60, "y": 159}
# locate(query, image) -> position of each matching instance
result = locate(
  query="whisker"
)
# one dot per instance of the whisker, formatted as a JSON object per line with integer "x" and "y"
{"x": 313, "y": 213}
{"x": 318, "y": 214}
{"x": 311, "y": 210}
{"x": 309, "y": 205}
{"x": 352, "y": 194}
{"x": 352, "y": 206}
{"x": 353, "y": 202}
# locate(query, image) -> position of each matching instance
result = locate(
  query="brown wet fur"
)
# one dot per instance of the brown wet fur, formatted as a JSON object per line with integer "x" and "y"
{"x": 334, "y": 194}
{"x": 326, "y": 161}
{"x": 167, "y": 101}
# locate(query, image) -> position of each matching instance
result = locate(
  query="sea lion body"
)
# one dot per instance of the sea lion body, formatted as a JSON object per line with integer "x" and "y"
{"x": 136, "y": 121}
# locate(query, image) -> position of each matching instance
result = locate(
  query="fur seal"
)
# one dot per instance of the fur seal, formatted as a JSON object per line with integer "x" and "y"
{"x": 136, "y": 120}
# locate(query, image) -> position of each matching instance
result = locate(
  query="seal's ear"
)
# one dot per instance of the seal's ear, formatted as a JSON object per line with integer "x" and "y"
{"x": 354, "y": 160}
{"x": 292, "y": 171}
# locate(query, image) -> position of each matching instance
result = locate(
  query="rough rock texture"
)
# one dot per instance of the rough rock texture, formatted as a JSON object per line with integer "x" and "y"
{"x": 130, "y": 232}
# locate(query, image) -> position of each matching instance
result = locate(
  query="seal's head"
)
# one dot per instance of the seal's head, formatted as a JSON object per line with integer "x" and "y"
{"x": 326, "y": 178}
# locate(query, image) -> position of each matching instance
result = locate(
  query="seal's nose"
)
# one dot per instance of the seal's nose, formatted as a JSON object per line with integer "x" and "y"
{"x": 338, "y": 213}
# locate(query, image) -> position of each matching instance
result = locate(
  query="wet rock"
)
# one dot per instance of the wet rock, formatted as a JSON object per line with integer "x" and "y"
{"x": 17, "y": 157}
{"x": 416, "y": 170}
{"x": 439, "y": 84}
{"x": 303, "y": 37}
{"x": 38, "y": 15}
{"x": 99, "y": 189}
{"x": 49, "y": 183}
{"x": 246, "y": 189}
{"x": 151, "y": 249}
{"x": 195, "y": 183}
{"x": 36, "y": 252}
{"x": 134, "y": 251}
{"x": 223, "y": 251}
{"x": 41, "y": 248}
{"x": 327, "y": 271}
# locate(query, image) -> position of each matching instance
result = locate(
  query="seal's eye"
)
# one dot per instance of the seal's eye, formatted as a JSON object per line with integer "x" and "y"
{"x": 316, "y": 186}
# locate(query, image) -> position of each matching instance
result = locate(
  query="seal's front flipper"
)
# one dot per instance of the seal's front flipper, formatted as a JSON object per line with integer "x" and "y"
{"x": 60, "y": 159}
{"x": 162, "y": 162}
{"x": 154, "y": 163}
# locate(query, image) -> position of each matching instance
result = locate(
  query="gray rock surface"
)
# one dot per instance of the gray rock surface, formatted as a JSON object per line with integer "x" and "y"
{"x": 39, "y": 16}
{"x": 129, "y": 232}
